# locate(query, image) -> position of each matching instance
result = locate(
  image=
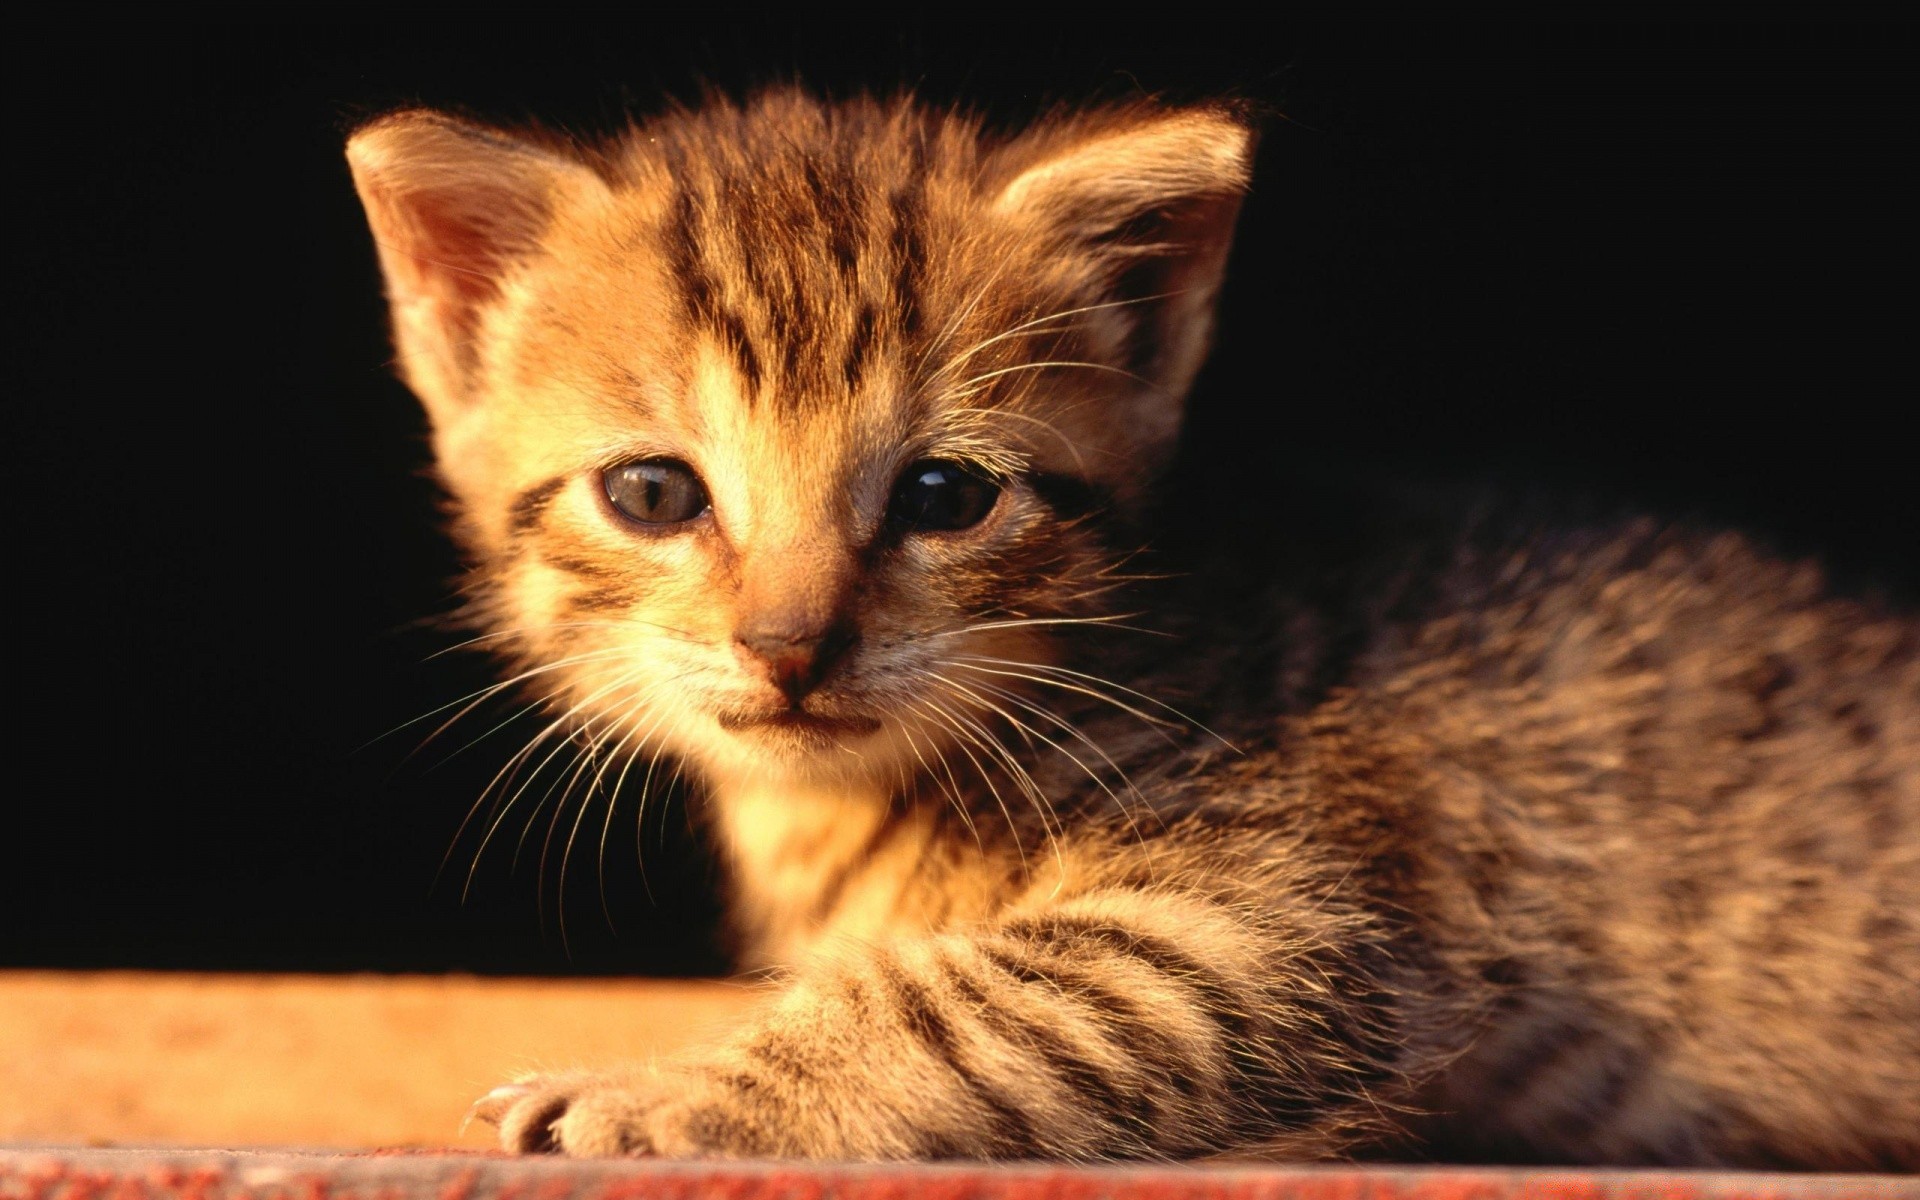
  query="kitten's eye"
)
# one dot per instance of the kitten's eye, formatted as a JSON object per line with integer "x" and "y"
{"x": 941, "y": 495}
{"x": 656, "y": 492}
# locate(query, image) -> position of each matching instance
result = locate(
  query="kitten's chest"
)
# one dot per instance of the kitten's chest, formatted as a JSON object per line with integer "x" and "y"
{"x": 813, "y": 863}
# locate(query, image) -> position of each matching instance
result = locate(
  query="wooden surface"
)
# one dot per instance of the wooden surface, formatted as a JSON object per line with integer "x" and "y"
{"x": 138, "y": 1061}
{"x": 141, "y": 1175}
{"x": 328, "y": 1061}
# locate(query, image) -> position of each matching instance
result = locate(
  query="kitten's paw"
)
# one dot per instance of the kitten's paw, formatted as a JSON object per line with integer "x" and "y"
{"x": 590, "y": 1115}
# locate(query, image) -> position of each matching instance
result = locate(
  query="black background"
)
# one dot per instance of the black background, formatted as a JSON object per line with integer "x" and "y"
{"x": 1672, "y": 264}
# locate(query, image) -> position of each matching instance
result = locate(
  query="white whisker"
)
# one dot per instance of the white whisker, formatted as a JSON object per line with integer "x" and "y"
{"x": 584, "y": 760}
{"x": 1036, "y": 796}
{"x": 953, "y": 793}
{"x": 1026, "y": 731}
{"x": 481, "y": 695}
{"x": 1079, "y": 734}
{"x": 1026, "y": 326}
{"x": 946, "y": 721}
{"x": 1107, "y": 622}
{"x": 1019, "y": 667}
{"x": 976, "y": 384}
{"x": 519, "y": 759}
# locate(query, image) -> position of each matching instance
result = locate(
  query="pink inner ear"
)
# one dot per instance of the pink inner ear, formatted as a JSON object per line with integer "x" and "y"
{"x": 452, "y": 208}
{"x": 454, "y": 246}
{"x": 439, "y": 252}
{"x": 1149, "y": 198}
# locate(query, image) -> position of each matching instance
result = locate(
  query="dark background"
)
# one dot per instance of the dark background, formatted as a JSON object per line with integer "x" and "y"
{"x": 1673, "y": 265}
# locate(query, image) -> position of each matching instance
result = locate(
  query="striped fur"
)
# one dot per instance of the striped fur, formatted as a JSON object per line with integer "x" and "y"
{"x": 1538, "y": 840}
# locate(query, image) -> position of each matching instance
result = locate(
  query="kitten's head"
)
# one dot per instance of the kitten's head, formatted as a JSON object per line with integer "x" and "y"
{"x": 772, "y": 428}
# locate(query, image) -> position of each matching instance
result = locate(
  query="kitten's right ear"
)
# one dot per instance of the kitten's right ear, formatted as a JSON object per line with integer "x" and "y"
{"x": 455, "y": 208}
{"x": 1150, "y": 196}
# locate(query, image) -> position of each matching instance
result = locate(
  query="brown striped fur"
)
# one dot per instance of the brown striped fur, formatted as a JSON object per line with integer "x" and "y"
{"x": 1537, "y": 840}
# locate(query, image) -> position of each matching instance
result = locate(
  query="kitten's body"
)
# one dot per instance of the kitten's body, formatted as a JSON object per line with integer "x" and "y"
{"x": 1559, "y": 841}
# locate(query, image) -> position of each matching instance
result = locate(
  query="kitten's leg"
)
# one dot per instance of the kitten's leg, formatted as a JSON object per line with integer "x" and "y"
{"x": 1116, "y": 1024}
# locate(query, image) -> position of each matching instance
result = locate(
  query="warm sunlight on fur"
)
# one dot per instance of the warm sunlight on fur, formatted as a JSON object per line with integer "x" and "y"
{"x": 807, "y": 456}
{"x": 886, "y": 312}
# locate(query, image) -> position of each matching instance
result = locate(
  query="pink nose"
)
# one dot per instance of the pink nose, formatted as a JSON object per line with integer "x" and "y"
{"x": 795, "y": 661}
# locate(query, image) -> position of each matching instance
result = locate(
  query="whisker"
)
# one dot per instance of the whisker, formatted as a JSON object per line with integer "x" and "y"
{"x": 570, "y": 740}
{"x": 553, "y": 825}
{"x": 520, "y": 630}
{"x": 583, "y": 760}
{"x": 1071, "y": 443}
{"x": 606, "y": 827}
{"x": 945, "y": 720}
{"x": 538, "y": 703}
{"x": 1182, "y": 718}
{"x": 1036, "y": 796}
{"x": 972, "y": 664}
{"x": 1069, "y": 727}
{"x": 481, "y": 695}
{"x": 977, "y": 383}
{"x": 1048, "y": 715}
{"x": 646, "y": 791}
{"x": 566, "y": 855}
{"x": 673, "y": 781}
{"x": 480, "y": 801}
{"x": 518, "y": 760}
{"x": 959, "y": 318}
{"x": 1025, "y": 730}
{"x": 1037, "y": 321}
{"x": 952, "y": 793}
{"x": 626, "y": 760}
{"x": 1107, "y": 622}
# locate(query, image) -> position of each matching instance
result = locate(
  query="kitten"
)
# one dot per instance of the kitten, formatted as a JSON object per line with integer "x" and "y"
{"x": 814, "y": 446}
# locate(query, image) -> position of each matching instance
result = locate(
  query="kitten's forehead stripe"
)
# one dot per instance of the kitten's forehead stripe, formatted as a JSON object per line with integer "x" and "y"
{"x": 905, "y": 207}
{"x": 808, "y": 293}
{"x": 690, "y": 271}
{"x": 734, "y": 332}
{"x": 860, "y": 346}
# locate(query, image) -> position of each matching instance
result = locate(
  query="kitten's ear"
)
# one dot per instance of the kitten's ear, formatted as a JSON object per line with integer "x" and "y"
{"x": 1152, "y": 197}
{"x": 455, "y": 208}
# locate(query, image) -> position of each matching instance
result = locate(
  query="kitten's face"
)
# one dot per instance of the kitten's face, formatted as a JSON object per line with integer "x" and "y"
{"x": 786, "y": 437}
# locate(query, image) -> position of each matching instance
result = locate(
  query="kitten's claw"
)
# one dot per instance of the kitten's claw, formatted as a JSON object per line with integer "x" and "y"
{"x": 495, "y": 1104}
{"x": 586, "y": 1114}
{"x": 529, "y": 1119}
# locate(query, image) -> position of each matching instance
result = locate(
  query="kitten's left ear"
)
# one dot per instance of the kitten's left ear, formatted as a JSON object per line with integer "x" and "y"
{"x": 455, "y": 210}
{"x": 1151, "y": 198}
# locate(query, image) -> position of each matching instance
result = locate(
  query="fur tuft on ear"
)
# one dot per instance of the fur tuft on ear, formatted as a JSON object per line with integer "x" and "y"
{"x": 1148, "y": 197}
{"x": 454, "y": 209}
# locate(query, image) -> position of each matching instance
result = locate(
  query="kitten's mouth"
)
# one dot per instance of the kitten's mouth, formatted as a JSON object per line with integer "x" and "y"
{"x": 799, "y": 721}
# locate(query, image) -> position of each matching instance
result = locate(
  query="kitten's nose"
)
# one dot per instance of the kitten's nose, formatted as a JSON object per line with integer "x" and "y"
{"x": 796, "y": 660}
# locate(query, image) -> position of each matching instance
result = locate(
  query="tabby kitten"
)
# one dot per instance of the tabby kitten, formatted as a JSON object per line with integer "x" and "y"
{"x": 813, "y": 446}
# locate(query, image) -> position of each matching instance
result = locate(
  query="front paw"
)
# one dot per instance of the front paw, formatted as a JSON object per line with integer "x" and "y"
{"x": 593, "y": 1114}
